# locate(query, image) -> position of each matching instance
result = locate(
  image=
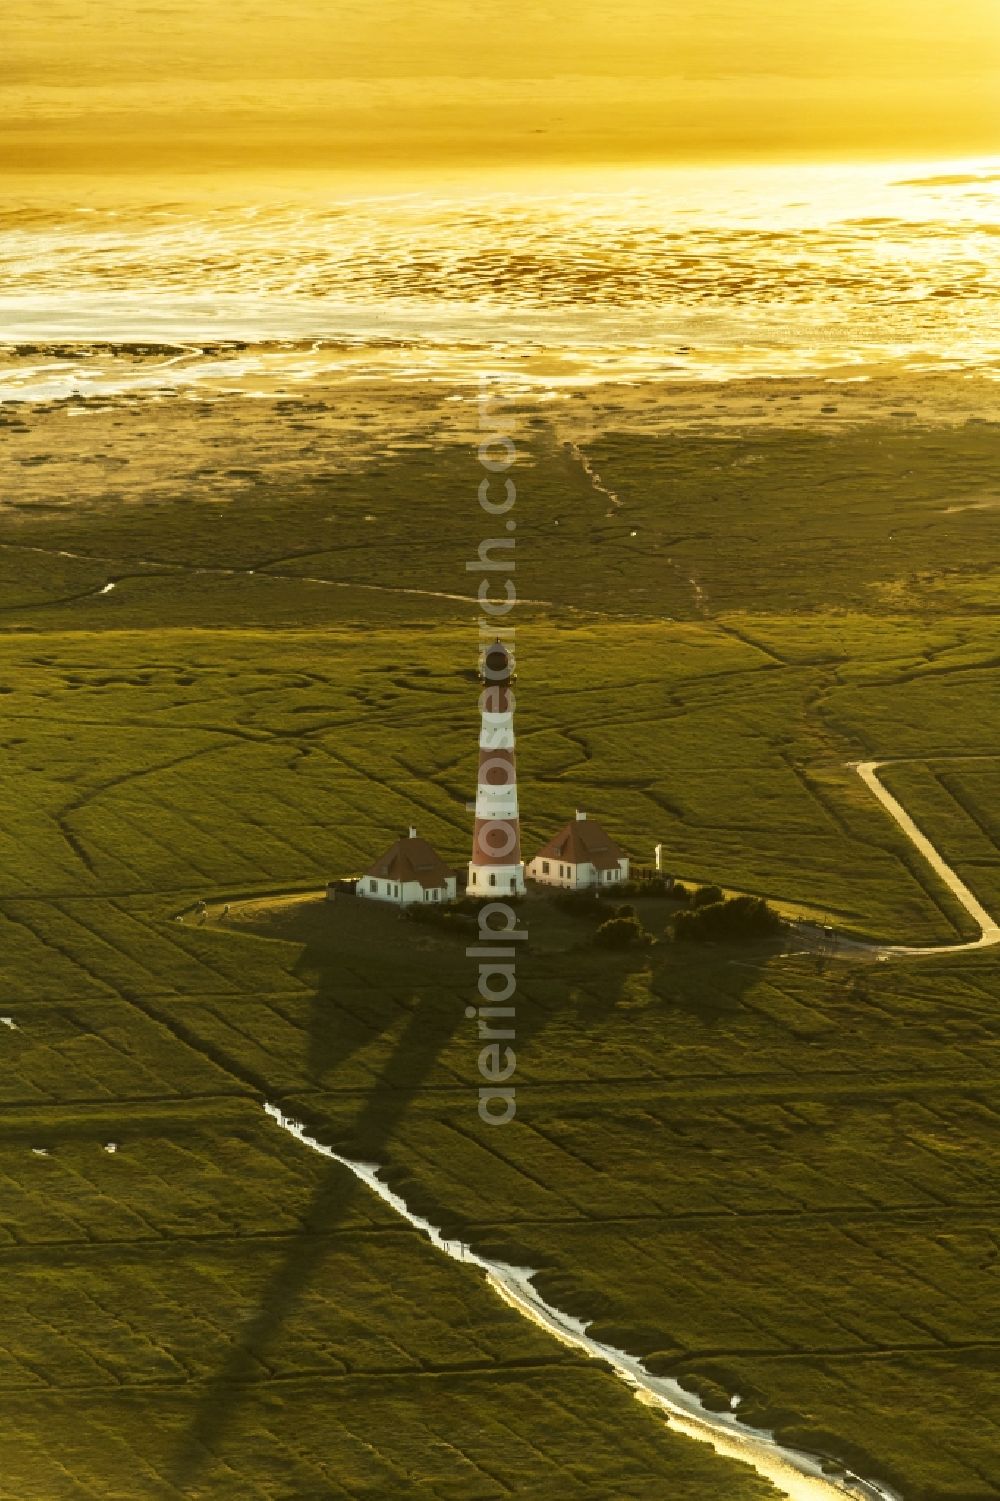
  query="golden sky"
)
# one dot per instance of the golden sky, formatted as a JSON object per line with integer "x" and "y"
{"x": 99, "y": 85}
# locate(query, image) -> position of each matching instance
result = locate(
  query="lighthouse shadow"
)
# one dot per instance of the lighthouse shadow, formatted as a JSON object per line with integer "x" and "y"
{"x": 407, "y": 994}
{"x": 591, "y": 1014}
{"x": 370, "y": 971}
{"x": 385, "y": 1003}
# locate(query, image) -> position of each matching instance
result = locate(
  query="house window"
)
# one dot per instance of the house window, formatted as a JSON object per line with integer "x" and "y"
{"x": 427, "y": 896}
{"x": 395, "y": 891}
{"x": 493, "y": 880}
{"x": 372, "y": 885}
{"x": 545, "y": 867}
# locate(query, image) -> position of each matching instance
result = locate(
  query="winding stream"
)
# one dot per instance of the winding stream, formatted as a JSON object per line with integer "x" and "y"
{"x": 794, "y": 1473}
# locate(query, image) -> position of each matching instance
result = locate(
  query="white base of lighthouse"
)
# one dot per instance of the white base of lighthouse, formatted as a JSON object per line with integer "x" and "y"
{"x": 495, "y": 880}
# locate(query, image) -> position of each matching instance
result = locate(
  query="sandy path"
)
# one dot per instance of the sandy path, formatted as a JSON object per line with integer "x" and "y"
{"x": 989, "y": 929}
{"x": 795, "y": 1474}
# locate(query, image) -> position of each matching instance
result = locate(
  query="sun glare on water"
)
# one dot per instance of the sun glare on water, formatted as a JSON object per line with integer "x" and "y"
{"x": 669, "y": 273}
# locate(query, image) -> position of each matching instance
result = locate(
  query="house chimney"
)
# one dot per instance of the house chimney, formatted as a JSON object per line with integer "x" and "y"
{"x": 580, "y": 816}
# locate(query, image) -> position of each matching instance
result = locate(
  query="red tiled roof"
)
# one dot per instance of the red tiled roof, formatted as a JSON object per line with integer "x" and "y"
{"x": 412, "y": 860}
{"x": 583, "y": 842}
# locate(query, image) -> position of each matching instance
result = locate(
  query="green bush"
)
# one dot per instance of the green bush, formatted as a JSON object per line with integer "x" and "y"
{"x": 579, "y": 903}
{"x": 621, "y": 933}
{"x": 706, "y": 896}
{"x": 741, "y": 919}
{"x": 656, "y": 886}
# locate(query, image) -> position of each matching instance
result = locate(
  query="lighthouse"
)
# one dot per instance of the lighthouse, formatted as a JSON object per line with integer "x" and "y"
{"x": 496, "y": 868}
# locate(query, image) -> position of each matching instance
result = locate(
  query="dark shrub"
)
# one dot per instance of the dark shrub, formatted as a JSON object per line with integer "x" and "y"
{"x": 580, "y": 903}
{"x": 687, "y": 929}
{"x": 653, "y": 885}
{"x": 621, "y": 933}
{"x": 706, "y": 896}
{"x": 741, "y": 919}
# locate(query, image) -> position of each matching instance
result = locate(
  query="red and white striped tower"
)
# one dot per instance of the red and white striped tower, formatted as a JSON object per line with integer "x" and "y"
{"x": 496, "y": 867}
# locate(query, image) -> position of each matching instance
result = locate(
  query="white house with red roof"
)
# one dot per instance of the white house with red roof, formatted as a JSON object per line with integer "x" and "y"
{"x": 411, "y": 870}
{"x": 581, "y": 855}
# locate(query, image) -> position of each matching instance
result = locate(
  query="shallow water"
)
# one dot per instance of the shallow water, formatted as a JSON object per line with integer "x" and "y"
{"x": 655, "y": 275}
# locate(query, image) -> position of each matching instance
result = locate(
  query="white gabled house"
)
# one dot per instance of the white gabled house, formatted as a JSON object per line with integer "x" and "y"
{"x": 581, "y": 855}
{"x": 410, "y": 871}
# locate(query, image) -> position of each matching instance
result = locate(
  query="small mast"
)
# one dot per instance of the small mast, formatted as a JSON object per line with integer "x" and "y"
{"x": 496, "y": 868}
